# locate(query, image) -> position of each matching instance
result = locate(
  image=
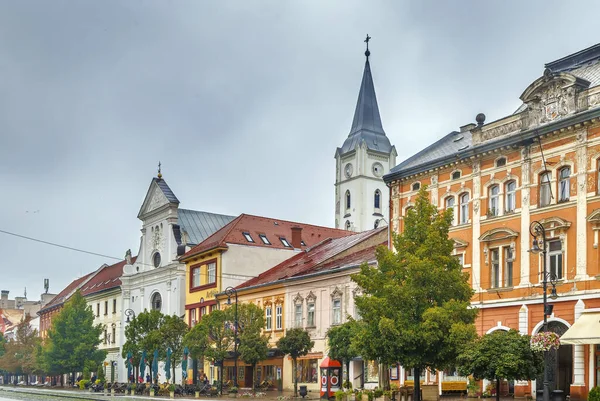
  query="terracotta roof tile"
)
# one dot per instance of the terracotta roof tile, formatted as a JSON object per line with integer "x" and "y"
{"x": 272, "y": 229}
{"x": 65, "y": 293}
{"x": 108, "y": 277}
{"x": 332, "y": 252}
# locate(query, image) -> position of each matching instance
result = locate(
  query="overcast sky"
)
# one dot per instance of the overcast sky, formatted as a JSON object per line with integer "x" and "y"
{"x": 244, "y": 103}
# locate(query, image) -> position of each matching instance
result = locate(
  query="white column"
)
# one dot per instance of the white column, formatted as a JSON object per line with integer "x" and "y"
{"x": 475, "y": 266}
{"x": 591, "y": 369}
{"x": 525, "y": 216}
{"x": 524, "y": 320}
{"x": 581, "y": 152}
{"x": 440, "y": 379}
{"x": 578, "y": 355}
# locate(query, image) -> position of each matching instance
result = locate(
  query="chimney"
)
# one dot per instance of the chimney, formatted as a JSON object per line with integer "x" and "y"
{"x": 297, "y": 237}
{"x": 4, "y": 294}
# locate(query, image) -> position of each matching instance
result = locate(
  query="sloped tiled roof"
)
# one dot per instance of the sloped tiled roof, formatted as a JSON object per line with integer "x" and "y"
{"x": 273, "y": 229}
{"x": 321, "y": 257}
{"x": 201, "y": 225}
{"x": 65, "y": 293}
{"x": 162, "y": 184}
{"x": 108, "y": 277}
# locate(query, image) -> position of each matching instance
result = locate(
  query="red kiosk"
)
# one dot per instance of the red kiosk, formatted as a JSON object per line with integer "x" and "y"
{"x": 331, "y": 377}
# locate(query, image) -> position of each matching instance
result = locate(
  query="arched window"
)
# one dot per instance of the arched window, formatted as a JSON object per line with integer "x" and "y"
{"x": 348, "y": 225}
{"x": 494, "y": 204}
{"x": 377, "y": 199}
{"x": 450, "y": 205}
{"x": 464, "y": 208}
{"x": 511, "y": 197}
{"x": 348, "y": 203}
{"x": 456, "y": 175}
{"x": 416, "y": 186}
{"x": 156, "y": 301}
{"x": 564, "y": 192}
{"x": 545, "y": 193}
{"x": 501, "y": 162}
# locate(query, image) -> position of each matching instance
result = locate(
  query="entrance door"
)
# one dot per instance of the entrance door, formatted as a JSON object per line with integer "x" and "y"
{"x": 248, "y": 376}
{"x": 560, "y": 363}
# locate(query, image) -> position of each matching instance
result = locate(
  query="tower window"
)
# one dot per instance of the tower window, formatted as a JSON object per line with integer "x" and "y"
{"x": 348, "y": 225}
{"x": 156, "y": 302}
{"x": 456, "y": 175}
{"x": 377, "y": 199}
{"x": 416, "y": 186}
{"x": 348, "y": 202}
{"x": 501, "y": 162}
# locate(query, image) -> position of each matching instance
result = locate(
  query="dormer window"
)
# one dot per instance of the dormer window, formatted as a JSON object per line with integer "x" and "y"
{"x": 264, "y": 239}
{"x": 248, "y": 237}
{"x": 456, "y": 175}
{"x": 285, "y": 242}
{"x": 416, "y": 186}
{"x": 501, "y": 162}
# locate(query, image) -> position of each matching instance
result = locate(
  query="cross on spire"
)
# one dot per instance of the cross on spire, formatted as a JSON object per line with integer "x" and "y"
{"x": 367, "y": 53}
{"x": 159, "y": 173}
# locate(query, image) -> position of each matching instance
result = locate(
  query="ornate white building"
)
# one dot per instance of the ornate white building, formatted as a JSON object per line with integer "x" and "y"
{"x": 361, "y": 196}
{"x": 156, "y": 279}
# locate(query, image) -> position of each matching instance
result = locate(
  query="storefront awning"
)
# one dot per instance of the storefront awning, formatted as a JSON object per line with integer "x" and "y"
{"x": 585, "y": 330}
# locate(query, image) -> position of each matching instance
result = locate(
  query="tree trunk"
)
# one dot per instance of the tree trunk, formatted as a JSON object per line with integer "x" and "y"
{"x": 195, "y": 371}
{"x": 497, "y": 389}
{"x": 253, "y": 377}
{"x": 295, "y": 378}
{"x": 348, "y": 371}
{"x": 417, "y": 390}
{"x": 173, "y": 373}
{"x": 221, "y": 376}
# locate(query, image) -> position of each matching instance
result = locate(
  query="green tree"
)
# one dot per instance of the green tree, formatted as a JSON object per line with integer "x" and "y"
{"x": 219, "y": 335}
{"x": 500, "y": 355}
{"x": 340, "y": 345}
{"x": 142, "y": 333}
{"x": 296, "y": 343}
{"x": 253, "y": 348}
{"x": 73, "y": 339}
{"x": 416, "y": 302}
{"x": 198, "y": 343}
{"x": 26, "y": 347}
{"x": 172, "y": 331}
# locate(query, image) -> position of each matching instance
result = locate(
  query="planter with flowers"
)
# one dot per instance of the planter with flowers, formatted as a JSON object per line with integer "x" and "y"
{"x": 544, "y": 341}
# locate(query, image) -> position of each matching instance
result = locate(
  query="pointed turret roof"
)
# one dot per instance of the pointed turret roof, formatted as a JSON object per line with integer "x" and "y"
{"x": 366, "y": 125}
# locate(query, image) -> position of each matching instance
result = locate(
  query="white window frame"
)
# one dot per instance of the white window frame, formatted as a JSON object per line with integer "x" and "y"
{"x": 193, "y": 319}
{"x": 211, "y": 273}
{"x": 511, "y": 196}
{"x": 310, "y": 315}
{"x": 559, "y": 254}
{"x": 494, "y": 200}
{"x": 264, "y": 239}
{"x": 495, "y": 268}
{"x": 348, "y": 200}
{"x": 278, "y": 317}
{"x": 464, "y": 207}
{"x": 450, "y": 203}
{"x": 336, "y": 311}
{"x": 564, "y": 184}
{"x": 545, "y": 197}
{"x": 298, "y": 314}
{"x": 269, "y": 318}
{"x": 508, "y": 266}
{"x": 196, "y": 274}
{"x": 248, "y": 236}
{"x": 377, "y": 200}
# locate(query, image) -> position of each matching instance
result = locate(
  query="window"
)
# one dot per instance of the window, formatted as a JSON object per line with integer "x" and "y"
{"x": 348, "y": 200}
{"x": 450, "y": 205}
{"x": 501, "y": 162}
{"x": 461, "y": 259}
{"x": 156, "y": 259}
{"x": 193, "y": 319}
{"x": 456, "y": 175}
{"x": 156, "y": 302}
{"x": 555, "y": 254}
{"x": 285, "y": 242}
{"x": 306, "y": 370}
{"x": 545, "y": 193}
{"x": 494, "y": 200}
{"x": 495, "y": 273}
{"x": 508, "y": 267}
{"x": 264, "y": 239}
{"x": 348, "y": 225}
{"x": 337, "y": 311}
{"x": 298, "y": 315}
{"x": 377, "y": 199}
{"x": 196, "y": 276}
{"x": 248, "y": 237}
{"x": 114, "y": 334}
{"x": 115, "y": 305}
{"x": 564, "y": 188}
{"x": 511, "y": 198}
{"x": 464, "y": 208}
{"x": 278, "y": 321}
{"x": 268, "y": 319}
{"x": 105, "y": 308}
{"x": 416, "y": 186}
{"x": 98, "y": 310}
{"x": 598, "y": 184}
{"x": 211, "y": 272}
{"x": 310, "y": 314}
{"x": 302, "y": 243}
{"x": 105, "y": 336}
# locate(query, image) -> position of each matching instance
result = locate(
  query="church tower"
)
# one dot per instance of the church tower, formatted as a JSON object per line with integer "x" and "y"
{"x": 361, "y": 196}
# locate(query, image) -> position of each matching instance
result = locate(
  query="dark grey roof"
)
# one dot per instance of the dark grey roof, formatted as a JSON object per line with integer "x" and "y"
{"x": 200, "y": 225}
{"x": 366, "y": 125}
{"x": 162, "y": 184}
{"x": 453, "y": 143}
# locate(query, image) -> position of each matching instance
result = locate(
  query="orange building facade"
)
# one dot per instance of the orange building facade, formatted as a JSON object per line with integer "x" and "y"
{"x": 542, "y": 164}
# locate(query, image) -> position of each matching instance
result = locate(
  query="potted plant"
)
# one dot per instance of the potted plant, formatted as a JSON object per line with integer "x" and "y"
{"x": 377, "y": 393}
{"x": 594, "y": 394}
{"x": 544, "y": 341}
{"x": 233, "y": 391}
{"x": 370, "y": 395}
{"x": 171, "y": 390}
{"x": 340, "y": 395}
{"x": 358, "y": 395}
{"x": 472, "y": 388}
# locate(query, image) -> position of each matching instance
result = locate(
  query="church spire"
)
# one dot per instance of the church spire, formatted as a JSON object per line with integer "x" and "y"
{"x": 366, "y": 115}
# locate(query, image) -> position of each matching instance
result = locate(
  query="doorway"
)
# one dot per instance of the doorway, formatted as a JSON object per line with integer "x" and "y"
{"x": 560, "y": 363}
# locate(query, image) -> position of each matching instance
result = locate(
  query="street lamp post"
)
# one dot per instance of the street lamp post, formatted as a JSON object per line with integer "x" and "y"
{"x": 229, "y": 291}
{"x": 128, "y": 313}
{"x": 538, "y": 232}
